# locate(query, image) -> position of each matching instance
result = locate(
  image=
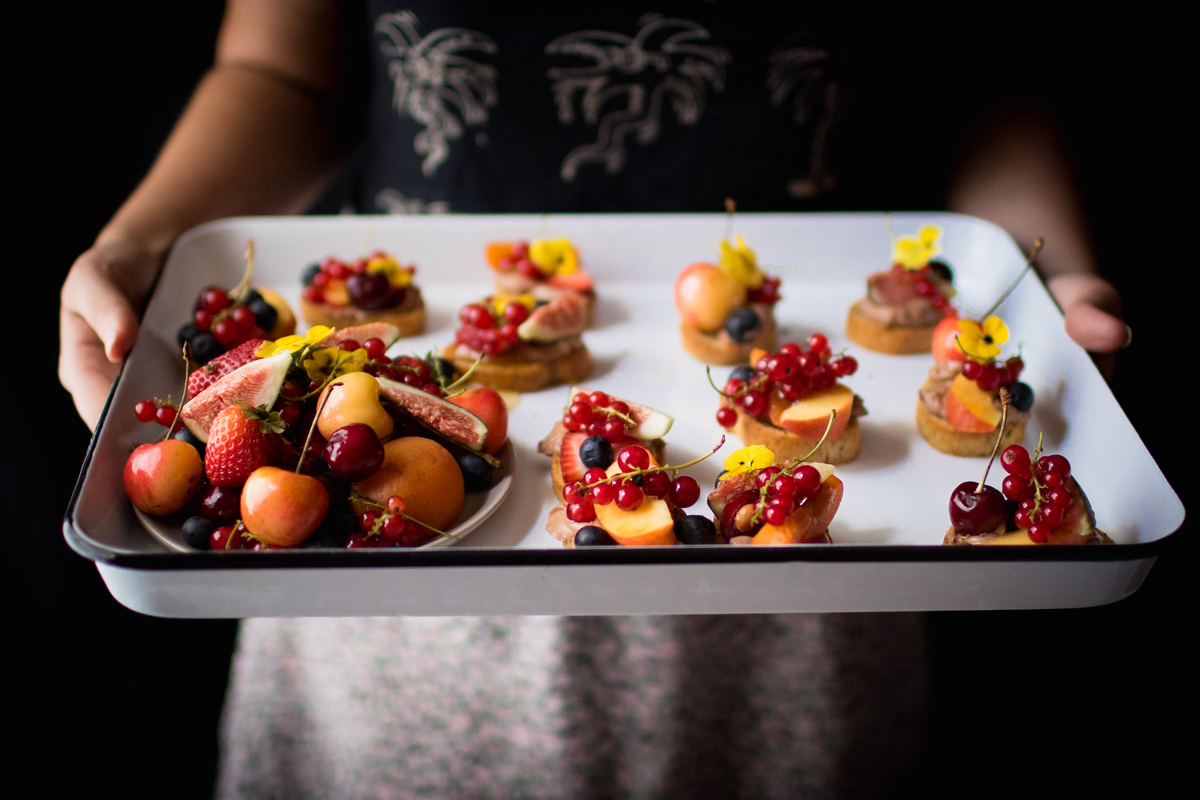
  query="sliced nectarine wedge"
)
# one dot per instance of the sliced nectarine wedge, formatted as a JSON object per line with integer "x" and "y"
{"x": 969, "y": 408}
{"x": 808, "y": 416}
{"x": 809, "y": 522}
{"x": 650, "y": 523}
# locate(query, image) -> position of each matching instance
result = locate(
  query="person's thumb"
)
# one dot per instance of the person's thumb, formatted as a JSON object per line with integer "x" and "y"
{"x": 105, "y": 308}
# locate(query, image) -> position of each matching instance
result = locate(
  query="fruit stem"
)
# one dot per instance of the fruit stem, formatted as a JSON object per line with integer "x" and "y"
{"x": 366, "y": 501}
{"x": 239, "y": 292}
{"x": 730, "y": 208}
{"x": 1004, "y": 401}
{"x": 887, "y": 220}
{"x": 183, "y": 397}
{"x": 754, "y": 384}
{"x": 466, "y": 376}
{"x": 828, "y": 428}
{"x": 1037, "y": 247}
{"x": 312, "y": 428}
{"x": 672, "y": 467}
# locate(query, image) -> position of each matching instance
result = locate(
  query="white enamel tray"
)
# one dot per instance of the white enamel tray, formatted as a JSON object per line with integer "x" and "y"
{"x": 887, "y": 533}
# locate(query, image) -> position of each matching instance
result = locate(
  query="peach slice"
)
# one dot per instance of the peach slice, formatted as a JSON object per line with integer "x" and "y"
{"x": 809, "y": 522}
{"x": 969, "y": 408}
{"x": 808, "y": 416}
{"x": 650, "y": 523}
{"x": 705, "y": 295}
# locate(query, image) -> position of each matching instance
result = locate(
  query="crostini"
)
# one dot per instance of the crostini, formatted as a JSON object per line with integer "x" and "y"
{"x": 378, "y": 288}
{"x": 545, "y": 269}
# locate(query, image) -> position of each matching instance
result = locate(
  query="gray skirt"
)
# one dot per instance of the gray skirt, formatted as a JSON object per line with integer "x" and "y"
{"x": 578, "y": 707}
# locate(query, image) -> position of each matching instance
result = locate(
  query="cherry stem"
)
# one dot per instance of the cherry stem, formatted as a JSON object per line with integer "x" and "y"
{"x": 1037, "y": 247}
{"x": 752, "y": 385}
{"x": 182, "y": 397}
{"x": 761, "y": 505}
{"x": 240, "y": 291}
{"x": 466, "y": 376}
{"x": 887, "y": 220}
{"x": 672, "y": 467}
{"x": 1004, "y": 401}
{"x": 312, "y": 428}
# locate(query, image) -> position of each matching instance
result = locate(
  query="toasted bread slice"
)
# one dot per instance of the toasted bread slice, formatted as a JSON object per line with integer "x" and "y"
{"x": 786, "y": 445}
{"x": 408, "y": 317}
{"x": 508, "y": 374}
{"x": 897, "y": 340}
{"x": 712, "y": 348}
{"x": 941, "y": 436}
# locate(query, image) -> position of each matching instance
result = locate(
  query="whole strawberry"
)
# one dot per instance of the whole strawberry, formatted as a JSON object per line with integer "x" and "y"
{"x": 241, "y": 440}
{"x": 222, "y": 365}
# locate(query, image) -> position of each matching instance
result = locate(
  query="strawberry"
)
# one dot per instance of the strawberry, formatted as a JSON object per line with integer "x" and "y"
{"x": 241, "y": 440}
{"x": 572, "y": 465}
{"x": 221, "y": 366}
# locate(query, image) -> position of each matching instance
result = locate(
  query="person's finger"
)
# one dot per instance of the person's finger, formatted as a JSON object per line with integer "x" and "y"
{"x": 100, "y": 303}
{"x": 1096, "y": 330}
{"x": 83, "y": 368}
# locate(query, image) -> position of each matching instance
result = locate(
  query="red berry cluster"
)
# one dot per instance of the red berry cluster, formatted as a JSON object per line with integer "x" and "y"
{"x": 791, "y": 373}
{"x": 408, "y": 370}
{"x": 1040, "y": 488}
{"x": 927, "y": 288}
{"x": 519, "y": 260}
{"x": 161, "y": 411}
{"x": 367, "y": 290}
{"x": 780, "y": 492}
{"x": 234, "y": 537}
{"x": 634, "y": 461}
{"x": 389, "y": 528}
{"x": 597, "y": 414}
{"x": 767, "y": 293}
{"x": 487, "y": 332}
{"x": 230, "y": 323}
{"x": 993, "y": 374}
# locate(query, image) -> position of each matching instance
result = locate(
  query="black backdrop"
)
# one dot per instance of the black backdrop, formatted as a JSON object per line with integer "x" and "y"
{"x": 1033, "y": 702}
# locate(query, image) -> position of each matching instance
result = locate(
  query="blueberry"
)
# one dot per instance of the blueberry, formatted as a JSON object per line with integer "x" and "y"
{"x": 593, "y": 536}
{"x": 264, "y": 313}
{"x": 310, "y": 272}
{"x": 251, "y": 296}
{"x": 196, "y": 531}
{"x": 596, "y": 452}
{"x": 205, "y": 348}
{"x": 1022, "y": 396}
{"x": 721, "y": 475}
{"x": 743, "y": 373}
{"x": 695, "y": 529}
{"x": 942, "y": 270}
{"x": 742, "y": 324}
{"x": 186, "y": 334}
{"x": 477, "y": 473}
{"x": 185, "y": 435}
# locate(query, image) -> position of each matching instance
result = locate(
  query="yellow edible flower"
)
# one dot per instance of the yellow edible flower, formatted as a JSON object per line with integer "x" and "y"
{"x": 397, "y": 275}
{"x": 914, "y": 252}
{"x": 741, "y": 262}
{"x": 331, "y": 362}
{"x": 747, "y": 459}
{"x": 501, "y": 302}
{"x": 293, "y": 343}
{"x": 982, "y": 342}
{"x": 554, "y": 256}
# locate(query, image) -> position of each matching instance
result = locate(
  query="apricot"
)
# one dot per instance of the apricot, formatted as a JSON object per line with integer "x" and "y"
{"x": 356, "y": 399}
{"x": 705, "y": 295}
{"x": 424, "y": 474}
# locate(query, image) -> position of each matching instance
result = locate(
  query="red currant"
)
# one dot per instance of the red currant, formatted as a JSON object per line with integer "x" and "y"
{"x": 393, "y": 527}
{"x": 629, "y": 497}
{"x": 573, "y": 491}
{"x": 1014, "y": 366}
{"x": 633, "y": 458}
{"x": 580, "y": 397}
{"x": 165, "y": 416}
{"x": 595, "y": 427}
{"x": 1054, "y": 463}
{"x": 244, "y": 317}
{"x": 765, "y": 476}
{"x": 290, "y": 413}
{"x": 809, "y": 363}
{"x": 818, "y": 343}
{"x": 807, "y": 479}
{"x": 529, "y": 269}
{"x": 581, "y": 510}
{"x": 685, "y": 491}
{"x": 516, "y": 313}
{"x": 780, "y": 367}
{"x": 726, "y": 417}
{"x": 1022, "y": 518}
{"x": 226, "y": 331}
{"x": 1053, "y": 480}
{"x": 1015, "y": 459}
{"x": 145, "y": 410}
{"x": 656, "y": 484}
{"x": 367, "y": 520}
{"x": 1061, "y": 497}
{"x": 613, "y": 429}
{"x": 989, "y": 377}
{"x": 1052, "y": 515}
{"x": 784, "y": 486}
{"x": 396, "y": 505}
{"x": 581, "y": 413}
{"x": 312, "y": 293}
{"x": 846, "y": 365}
{"x": 1039, "y": 532}
{"x": 791, "y": 349}
{"x": 214, "y": 300}
{"x": 376, "y": 348}
{"x": 755, "y": 403}
{"x": 619, "y": 406}
{"x": 774, "y": 515}
{"x": 598, "y": 399}
{"x": 735, "y": 386}
{"x": 971, "y": 370}
{"x": 1016, "y": 488}
{"x": 604, "y": 493}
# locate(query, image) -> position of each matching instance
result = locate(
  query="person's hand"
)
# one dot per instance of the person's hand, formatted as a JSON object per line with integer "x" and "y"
{"x": 101, "y": 300}
{"x": 1092, "y": 315}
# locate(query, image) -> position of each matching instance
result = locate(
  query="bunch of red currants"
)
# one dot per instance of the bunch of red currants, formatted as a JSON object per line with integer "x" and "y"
{"x": 598, "y": 415}
{"x": 409, "y": 370}
{"x": 389, "y": 528}
{"x": 993, "y": 374}
{"x": 230, "y": 323}
{"x": 1040, "y": 488}
{"x": 767, "y": 293}
{"x": 486, "y": 332}
{"x": 519, "y": 260}
{"x": 791, "y": 373}
{"x": 623, "y": 489}
{"x": 369, "y": 291}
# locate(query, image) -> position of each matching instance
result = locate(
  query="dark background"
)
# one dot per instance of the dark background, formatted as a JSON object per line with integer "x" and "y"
{"x": 1031, "y": 702}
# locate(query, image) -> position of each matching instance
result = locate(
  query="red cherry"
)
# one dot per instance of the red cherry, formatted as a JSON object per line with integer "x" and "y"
{"x": 349, "y": 345}
{"x": 685, "y": 491}
{"x": 221, "y": 504}
{"x": 973, "y": 512}
{"x": 1015, "y": 459}
{"x": 353, "y": 452}
{"x": 145, "y": 410}
{"x": 633, "y": 458}
{"x": 290, "y": 413}
{"x": 818, "y": 343}
{"x": 629, "y": 497}
{"x": 726, "y": 417}
{"x": 656, "y": 484}
{"x": 376, "y": 348}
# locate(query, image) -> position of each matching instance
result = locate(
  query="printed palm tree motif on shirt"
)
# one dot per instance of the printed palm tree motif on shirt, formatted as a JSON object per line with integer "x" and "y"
{"x": 442, "y": 90}
{"x": 800, "y": 72}
{"x": 663, "y": 61}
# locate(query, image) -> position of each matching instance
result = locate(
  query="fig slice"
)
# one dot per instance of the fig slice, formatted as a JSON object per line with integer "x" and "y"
{"x": 454, "y": 422}
{"x": 255, "y": 384}
{"x": 562, "y": 317}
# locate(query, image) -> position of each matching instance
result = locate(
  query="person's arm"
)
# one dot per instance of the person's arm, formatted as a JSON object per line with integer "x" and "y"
{"x": 1018, "y": 176}
{"x": 257, "y": 137}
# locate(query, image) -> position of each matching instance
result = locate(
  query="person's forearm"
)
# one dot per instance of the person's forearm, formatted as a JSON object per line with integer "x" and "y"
{"x": 249, "y": 142}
